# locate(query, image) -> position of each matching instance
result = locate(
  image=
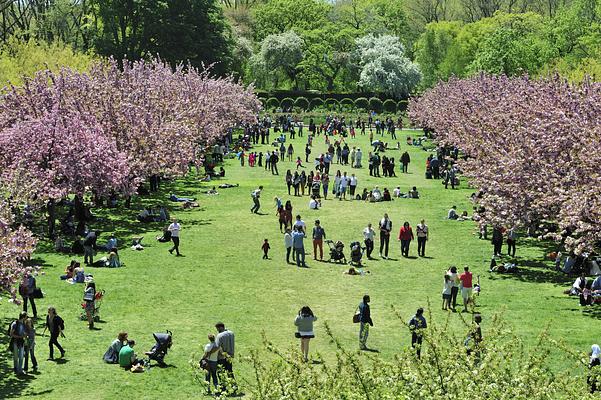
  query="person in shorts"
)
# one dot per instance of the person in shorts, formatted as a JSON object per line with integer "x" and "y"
{"x": 304, "y": 325}
{"x": 466, "y": 287}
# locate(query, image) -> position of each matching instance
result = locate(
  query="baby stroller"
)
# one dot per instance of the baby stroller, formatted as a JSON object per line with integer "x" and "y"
{"x": 315, "y": 189}
{"x": 160, "y": 348}
{"x": 97, "y": 303}
{"x": 356, "y": 253}
{"x": 336, "y": 251}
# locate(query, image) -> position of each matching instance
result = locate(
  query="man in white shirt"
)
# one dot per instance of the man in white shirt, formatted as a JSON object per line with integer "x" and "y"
{"x": 422, "y": 238}
{"x": 301, "y": 224}
{"x": 353, "y": 185}
{"x": 256, "y": 194}
{"x": 343, "y": 185}
{"x": 397, "y": 192}
{"x": 368, "y": 236}
{"x": 174, "y": 228}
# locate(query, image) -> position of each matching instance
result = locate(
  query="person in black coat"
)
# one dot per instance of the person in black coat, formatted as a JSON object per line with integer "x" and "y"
{"x": 55, "y": 325}
{"x": 365, "y": 322}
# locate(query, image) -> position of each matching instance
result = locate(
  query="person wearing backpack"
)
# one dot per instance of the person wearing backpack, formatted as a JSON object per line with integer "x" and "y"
{"x": 89, "y": 297}
{"x": 56, "y": 326}
{"x": 26, "y": 289}
{"x": 17, "y": 334}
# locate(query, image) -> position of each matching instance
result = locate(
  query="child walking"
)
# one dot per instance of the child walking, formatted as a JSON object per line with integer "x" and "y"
{"x": 265, "y": 248}
{"x": 446, "y": 292}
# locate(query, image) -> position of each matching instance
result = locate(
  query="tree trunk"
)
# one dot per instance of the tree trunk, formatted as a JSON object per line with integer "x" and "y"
{"x": 80, "y": 215}
{"x": 51, "y": 218}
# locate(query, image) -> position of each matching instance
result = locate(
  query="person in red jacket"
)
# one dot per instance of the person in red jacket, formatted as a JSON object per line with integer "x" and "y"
{"x": 405, "y": 236}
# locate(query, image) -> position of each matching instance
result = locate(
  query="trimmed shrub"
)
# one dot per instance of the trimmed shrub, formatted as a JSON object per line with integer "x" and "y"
{"x": 347, "y": 104}
{"x": 315, "y": 103}
{"x": 286, "y": 103}
{"x": 272, "y": 103}
{"x": 362, "y": 103}
{"x": 402, "y": 105}
{"x": 332, "y": 104}
{"x": 390, "y": 106}
{"x": 302, "y": 103}
{"x": 376, "y": 104}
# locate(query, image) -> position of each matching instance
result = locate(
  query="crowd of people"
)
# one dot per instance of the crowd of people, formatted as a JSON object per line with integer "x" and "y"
{"x": 311, "y": 180}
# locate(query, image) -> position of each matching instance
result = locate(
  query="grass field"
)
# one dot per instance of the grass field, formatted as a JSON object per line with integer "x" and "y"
{"x": 223, "y": 278}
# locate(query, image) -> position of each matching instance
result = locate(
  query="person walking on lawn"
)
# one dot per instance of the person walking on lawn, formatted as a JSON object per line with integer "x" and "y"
{"x": 405, "y": 236}
{"x": 365, "y": 322}
{"x": 417, "y": 324}
{"x": 319, "y": 234}
{"x": 174, "y": 228}
{"x": 385, "y": 229}
{"x": 256, "y": 195}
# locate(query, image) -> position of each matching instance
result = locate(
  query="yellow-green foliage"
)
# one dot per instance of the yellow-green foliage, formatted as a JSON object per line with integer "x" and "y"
{"x": 19, "y": 59}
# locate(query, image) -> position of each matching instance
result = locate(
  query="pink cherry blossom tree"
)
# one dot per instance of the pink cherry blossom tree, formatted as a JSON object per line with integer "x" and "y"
{"x": 16, "y": 244}
{"x": 530, "y": 147}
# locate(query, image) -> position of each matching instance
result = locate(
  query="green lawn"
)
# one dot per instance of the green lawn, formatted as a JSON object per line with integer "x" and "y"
{"x": 223, "y": 278}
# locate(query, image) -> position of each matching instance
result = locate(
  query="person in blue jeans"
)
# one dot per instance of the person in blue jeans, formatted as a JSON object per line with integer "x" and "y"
{"x": 298, "y": 246}
{"x": 17, "y": 342}
{"x": 365, "y": 322}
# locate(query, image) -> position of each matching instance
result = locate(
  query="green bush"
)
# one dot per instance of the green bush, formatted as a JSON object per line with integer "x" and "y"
{"x": 347, "y": 104}
{"x": 272, "y": 103}
{"x": 286, "y": 103}
{"x": 315, "y": 103}
{"x": 497, "y": 368}
{"x": 302, "y": 103}
{"x": 376, "y": 104}
{"x": 332, "y": 104}
{"x": 362, "y": 103}
{"x": 390, "y": 106}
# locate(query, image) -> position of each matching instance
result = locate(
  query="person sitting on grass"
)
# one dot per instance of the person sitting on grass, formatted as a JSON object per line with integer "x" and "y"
{"x": 127, "y": 356}
{"x": 190, "y": 204}
{"x": 166, "y": 237}
{"x": 146, "y": 215}
{"x": 578, "y": 285}
{"x": 376, "y": 194}
{"x": 315, "y": 203}
{"x": 386, "y": 195}
{"x": 464, "y": 216}
{"x": 112, "y": 354}
{"x": 397, "y": 192}
{"x": 452, "y": 214}
{"x": 413, "y": 193}
{"x": 212, "y": 192}
{"x": 70, "y": 270}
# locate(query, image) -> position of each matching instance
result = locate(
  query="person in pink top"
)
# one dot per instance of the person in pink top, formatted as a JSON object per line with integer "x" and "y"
{"x": 405, "y": 236}
{"x": 466, "y": 287}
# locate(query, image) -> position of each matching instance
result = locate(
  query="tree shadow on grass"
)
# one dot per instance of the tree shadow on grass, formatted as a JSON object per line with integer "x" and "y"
{"x": 11, "y": 386}
{"x": 534, "y": 272}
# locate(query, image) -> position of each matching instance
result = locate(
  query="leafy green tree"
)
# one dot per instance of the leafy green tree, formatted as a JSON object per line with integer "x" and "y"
{"x": 384, "y": 67}
{"x": 177, "y": 30}
{"x": 515, "y": 45}
{"x": 283, "y": 52}
{"x": 438, "y": 52}
{"x": 327, "y": 55}
{"x": 279, "y": 16}
{"x": 20, "y": 59}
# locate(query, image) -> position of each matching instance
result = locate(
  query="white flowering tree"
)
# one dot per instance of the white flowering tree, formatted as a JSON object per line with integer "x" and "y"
{"x": 384, "y": 66}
